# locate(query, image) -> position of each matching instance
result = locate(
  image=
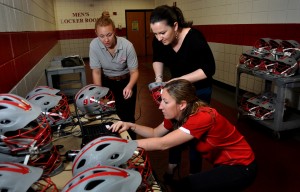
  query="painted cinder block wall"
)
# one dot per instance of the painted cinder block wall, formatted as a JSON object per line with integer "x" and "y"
{"x": 31, "y": 34}
{"x": 230, "y": 27}
{"x": 233, "y": 26}
{"x": 28, "y": 40}
{"x": 75, "y": 20}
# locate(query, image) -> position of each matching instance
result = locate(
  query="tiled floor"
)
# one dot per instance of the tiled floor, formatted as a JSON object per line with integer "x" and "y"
{"x": 278, "y": 160}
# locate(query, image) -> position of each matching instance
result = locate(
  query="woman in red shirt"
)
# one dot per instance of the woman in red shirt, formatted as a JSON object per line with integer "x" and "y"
{"x": 187, "y": 118}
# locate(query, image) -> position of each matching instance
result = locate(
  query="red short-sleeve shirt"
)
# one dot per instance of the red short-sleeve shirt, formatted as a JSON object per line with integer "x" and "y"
{"x": 218, "y": 140}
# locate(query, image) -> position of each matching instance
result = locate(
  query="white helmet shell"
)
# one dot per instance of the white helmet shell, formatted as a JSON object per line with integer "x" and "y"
{"x": 18, "y": 177}
{"x": 16, "y": 112}
{"x": 105, "y": 179}
{"x": 106, "y": 150}
{"x": 42, "y": 89}
{"x": 88, "y": 99}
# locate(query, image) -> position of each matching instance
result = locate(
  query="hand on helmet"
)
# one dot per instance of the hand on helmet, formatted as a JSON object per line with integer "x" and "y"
{"x": 120, "y": 126}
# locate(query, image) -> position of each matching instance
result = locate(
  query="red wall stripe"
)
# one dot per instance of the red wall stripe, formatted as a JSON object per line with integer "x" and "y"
{"x": 22, "y": 65}
{"x": 84, "y": 33}
{"x": 248, "y": 34}
{"x": 240, "y": 34}
{"x": 20, "y": 43}
{"x": 26, "y": 49}
{"x": 6, "y": 51}
{"x": 20, "y": 52}
{"x": 8, "y": 77}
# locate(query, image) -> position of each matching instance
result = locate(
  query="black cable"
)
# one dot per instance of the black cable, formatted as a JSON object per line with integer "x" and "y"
{"x": 138, "y": 101}
{"x": 77, "y": 116}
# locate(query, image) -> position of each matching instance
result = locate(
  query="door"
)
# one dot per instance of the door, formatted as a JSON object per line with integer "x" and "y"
{"x": 138, "y": 31}
{"x": 149, "y": 34}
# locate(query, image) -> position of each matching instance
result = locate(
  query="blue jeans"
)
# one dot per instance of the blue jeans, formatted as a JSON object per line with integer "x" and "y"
{"x": 204, "y": 94}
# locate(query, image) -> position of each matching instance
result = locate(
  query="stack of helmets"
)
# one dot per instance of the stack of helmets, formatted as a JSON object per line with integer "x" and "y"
{"x": 25, "y": 133}
{"x": 252, "y": 58}
{"x": 272, "y": 57}
{"x": 107, "y": 160}
{"x": 20, "y": 177}
{"x": 21, "y": 132}
{"x": 53, "y": 103}
{"x": 259, "y": 107}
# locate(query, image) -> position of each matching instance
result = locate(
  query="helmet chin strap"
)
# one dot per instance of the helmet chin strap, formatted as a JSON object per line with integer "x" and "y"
{"x": 53, "y": 114}
{"x": 110, "y": 102}
{"x": 32, "y": 150}
{"x": 94, "y": 100}
{"x": 27, "y": 157}
{"x": 97, "y": 101}
{"x": 2, "y": 137}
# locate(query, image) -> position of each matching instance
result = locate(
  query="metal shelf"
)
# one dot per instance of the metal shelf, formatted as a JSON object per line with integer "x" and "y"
{"x": 279, "y": 123}
{"x": 69, "y": 87}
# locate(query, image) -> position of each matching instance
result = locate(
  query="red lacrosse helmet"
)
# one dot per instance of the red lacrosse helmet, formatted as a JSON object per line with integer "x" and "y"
{"x": 104, "y": 179}
{"x": 20, "y": 177}
{"x": 266, "y": 110}
{"x": 106, "y": 150}
{"x": 22, "y": 133}
{"x": 54, "y": 107}
{"x": 50, "y": 162}
{"x": 262, "y": 44}
{"x": 285, "y": 67}
{"x": 141, "y": 163}
{"x": 42, "y": 89}
{"x": 253, "y": 57}
{"x": 286, "y": 44}
{"x": 93, "y": 100}
{"x": 155, "y": 89}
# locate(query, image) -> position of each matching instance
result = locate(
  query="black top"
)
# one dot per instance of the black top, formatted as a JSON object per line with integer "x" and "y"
{"x": 193, "y": 54}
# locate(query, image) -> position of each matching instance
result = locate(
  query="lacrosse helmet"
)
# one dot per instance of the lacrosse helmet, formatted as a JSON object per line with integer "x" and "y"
{"x": 11, "y": 158}
{"x": 275, "y": 43}
{"x": 290, "y": 44}
{"x": 286, "y": 67}
{"x": 6, "y": 156}
{"x": 155, "y": 89}
{"x": 49, "y": 161}
{"x": 20, "y": 177}
{"x": 54, "y": 107}
{"x": 104, "y": 179}
{"x": 246, "y": 104}
{"x": 253, "y": 57}
{"x": 262, "y": 44}
{"x": 106, "y": 150}
{"x": 266, "y": 110}
{"x": 22, "y": 133}
{"x": 141, "y": 163}
{"x": 93, "y": 100}
{"x": 42, "y": 89}
{"x": 16, "y": 112}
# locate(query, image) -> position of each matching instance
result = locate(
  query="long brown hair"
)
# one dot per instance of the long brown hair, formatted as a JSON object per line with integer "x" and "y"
{"x": 183, "y": 90}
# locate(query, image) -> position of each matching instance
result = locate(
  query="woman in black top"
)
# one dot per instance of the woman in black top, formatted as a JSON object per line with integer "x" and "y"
{"x": 186, "y": 53}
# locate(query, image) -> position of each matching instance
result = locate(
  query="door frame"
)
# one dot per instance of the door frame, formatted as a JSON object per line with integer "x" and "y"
{"x": 145, "y": 23}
